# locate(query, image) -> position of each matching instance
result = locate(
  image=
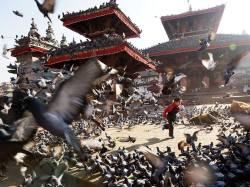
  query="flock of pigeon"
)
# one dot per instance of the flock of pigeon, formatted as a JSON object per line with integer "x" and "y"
{"x": 67, "y": 108}
{"x": 75, "y": 110}
{"x": 53, "y": 113}
{"x": 226, "y": 163}
{"x": 107, "y": 41}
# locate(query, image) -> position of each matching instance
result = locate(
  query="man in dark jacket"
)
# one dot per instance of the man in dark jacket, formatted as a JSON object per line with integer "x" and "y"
{"x": 170, "y": 113}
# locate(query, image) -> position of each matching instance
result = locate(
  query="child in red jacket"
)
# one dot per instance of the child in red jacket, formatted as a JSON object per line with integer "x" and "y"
{"x": 170, "y": 113}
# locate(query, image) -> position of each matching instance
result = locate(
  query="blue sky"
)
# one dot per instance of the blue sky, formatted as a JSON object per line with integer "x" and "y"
{"x": 145, "y": 13}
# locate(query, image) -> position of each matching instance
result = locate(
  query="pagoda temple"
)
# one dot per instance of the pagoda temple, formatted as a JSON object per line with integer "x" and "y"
{"x": 28, "y": 52}
{"x": 181, "y": 53}
{"x": 107, "y": 29}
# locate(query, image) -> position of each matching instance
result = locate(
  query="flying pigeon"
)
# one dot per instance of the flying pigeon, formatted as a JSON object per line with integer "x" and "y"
{"x": 232, "y": 65}
{"x": 17, "y": 135}
{"x": 228, "y": 73}
{"x": 66, "y": 104}
{"x": 171, "y": 82}
{"x": 46, "y": 7}
{"x": 5, "y": 51}
{"x": 178, "y": 77}
{"x": 18, "y": 13}
{"x": 209, "y": 64}
{"x": 205, "y": 42}
{"x": 49, "y": 5}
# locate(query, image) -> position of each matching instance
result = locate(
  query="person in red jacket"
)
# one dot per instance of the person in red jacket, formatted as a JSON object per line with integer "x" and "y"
{"x": 170, "y": 113}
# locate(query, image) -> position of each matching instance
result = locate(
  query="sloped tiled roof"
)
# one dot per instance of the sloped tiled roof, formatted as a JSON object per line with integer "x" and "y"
{"x": 196, "y": 12}
{"x": 191, "y": 43}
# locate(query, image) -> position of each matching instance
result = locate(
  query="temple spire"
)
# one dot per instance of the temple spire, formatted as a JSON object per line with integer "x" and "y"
{"x": 50, "y": 33}
{"x": 33, "y": 30}
{"x": 63, "y": 42}
{"x": 73, "y": 42}
{"x": 190, "y": 7}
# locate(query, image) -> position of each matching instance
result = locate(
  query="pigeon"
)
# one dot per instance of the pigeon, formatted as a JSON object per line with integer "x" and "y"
{"x": 228, "y": 73}
{"x": 190, "y": 139}
{"x": 49, "y": 5}
{"x": 209, "y": 64}
{"x": 205, "y": 42}
{"x": 21, "y": 132}
{"x": 178, "y": 77}
{"x": 18, "y": 13}
{"x": 45, "y": 9}
{"x": 171, "y": 82}
{"x": 5, "y": 51}
{"x": 232, "y": 65}
{"x": 66, "y": 104}
{"x": 244, "y": 119}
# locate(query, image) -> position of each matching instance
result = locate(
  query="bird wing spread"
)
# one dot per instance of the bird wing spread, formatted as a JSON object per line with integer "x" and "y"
{"x": 69, "y": 98}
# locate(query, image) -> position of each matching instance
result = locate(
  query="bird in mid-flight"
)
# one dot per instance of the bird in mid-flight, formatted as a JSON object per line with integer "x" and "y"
{"x": 66, "y": 104}
{"x": 17, "y": 13}
{"x": 46, "y": 7}
{"x": 205, "y": 42}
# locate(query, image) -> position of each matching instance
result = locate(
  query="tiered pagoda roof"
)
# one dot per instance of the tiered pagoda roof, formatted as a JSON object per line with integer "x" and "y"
{"x": 191, "y": 43}
{"x": 194, "y": 13}
{"x": 112, "y": 50}
{"x": 193, "y": 22}
{"x": 94, "y": 22}
{"x": 34, "y": 43}
{"x": 107, "y": 27}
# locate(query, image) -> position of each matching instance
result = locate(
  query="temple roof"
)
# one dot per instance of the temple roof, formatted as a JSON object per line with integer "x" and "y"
{"x": 191, "y": 43}
{"x": 34, "y": 42}
{"x": 94, "y": 22}
{"x": 193, "y": 13}
{"x": 193, "y": 22}
{"x": 111, "y": 49}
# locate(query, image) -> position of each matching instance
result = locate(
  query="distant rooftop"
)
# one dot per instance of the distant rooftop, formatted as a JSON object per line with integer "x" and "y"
{"x": 193, "y": 22}
{"x": 191, "y": 43}
{"x": 192, "y": 13}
